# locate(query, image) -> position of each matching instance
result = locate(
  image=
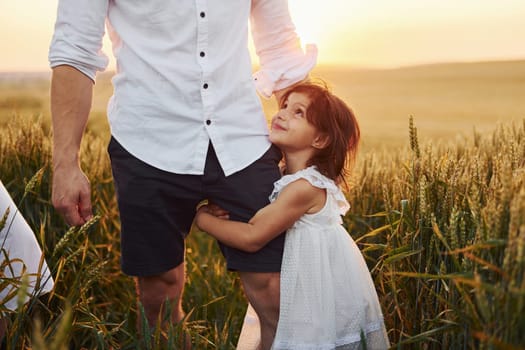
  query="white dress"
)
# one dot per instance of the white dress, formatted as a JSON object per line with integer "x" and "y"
{"x": 18, "y": 244}
{"x": 328, "y": 298}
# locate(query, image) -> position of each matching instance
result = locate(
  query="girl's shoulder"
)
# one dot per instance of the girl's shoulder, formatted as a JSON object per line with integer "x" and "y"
{"x": 311, "y": 176}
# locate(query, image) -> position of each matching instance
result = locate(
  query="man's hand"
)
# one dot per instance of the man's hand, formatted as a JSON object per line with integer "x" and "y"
{"x": 72, "y": 195}
{"x": 280, "y": 93}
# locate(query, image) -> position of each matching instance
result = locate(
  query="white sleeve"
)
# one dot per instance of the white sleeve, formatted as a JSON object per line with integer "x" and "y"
{"x": 283, "y": 62}
{"x": 77, "y": 40}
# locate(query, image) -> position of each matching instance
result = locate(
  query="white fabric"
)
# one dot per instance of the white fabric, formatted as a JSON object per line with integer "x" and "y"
{"x": 18, "y": 244}
{"x": 166, "y": 52}
{"x": 328, "y": 298}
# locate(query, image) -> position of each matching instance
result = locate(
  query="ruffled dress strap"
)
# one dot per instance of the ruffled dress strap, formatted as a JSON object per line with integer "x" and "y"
{"x": 316, "y": 179}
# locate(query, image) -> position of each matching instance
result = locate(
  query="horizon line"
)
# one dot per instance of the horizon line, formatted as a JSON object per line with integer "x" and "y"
{"x": 348, "y": 66}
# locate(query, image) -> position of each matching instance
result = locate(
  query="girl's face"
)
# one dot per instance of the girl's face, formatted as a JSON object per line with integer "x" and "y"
{"x": 290, "y": 130}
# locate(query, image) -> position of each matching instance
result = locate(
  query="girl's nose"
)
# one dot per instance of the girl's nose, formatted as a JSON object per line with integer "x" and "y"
{"x": 281, "y": 114}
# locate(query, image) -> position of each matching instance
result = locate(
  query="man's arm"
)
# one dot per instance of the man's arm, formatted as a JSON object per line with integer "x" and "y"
{"x": 71, "y": 96}
{"x": 283, "y": 61}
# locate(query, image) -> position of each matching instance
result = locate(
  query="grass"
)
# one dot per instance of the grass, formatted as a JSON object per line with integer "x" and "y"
{"x": 442, "y": 228}
{"x": 446, "y": 239}
{"x": 441, "y": 225}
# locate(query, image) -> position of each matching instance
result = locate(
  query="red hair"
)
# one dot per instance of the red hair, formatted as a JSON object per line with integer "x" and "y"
{"x": 331, "y": 116}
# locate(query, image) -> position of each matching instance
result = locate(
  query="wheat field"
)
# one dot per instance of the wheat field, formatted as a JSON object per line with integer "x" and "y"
{"x": 438, "y": 212}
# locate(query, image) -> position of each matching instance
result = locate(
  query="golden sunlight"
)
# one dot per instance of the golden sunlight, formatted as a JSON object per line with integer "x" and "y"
{"x": 379, "y": 33}
{"x": 307, "y": 22}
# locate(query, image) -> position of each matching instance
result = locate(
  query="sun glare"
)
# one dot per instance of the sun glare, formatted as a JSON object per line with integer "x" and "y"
{"x": 307, "y": 22}
{"x": 308, "y": 33}
{"x": 380, "y": 33}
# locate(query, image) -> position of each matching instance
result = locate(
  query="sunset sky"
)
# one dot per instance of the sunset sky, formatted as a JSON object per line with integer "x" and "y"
{"x": 359, "y": 33}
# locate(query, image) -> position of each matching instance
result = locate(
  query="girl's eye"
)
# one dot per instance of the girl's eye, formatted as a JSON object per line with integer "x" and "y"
{"x": 285, "y": 105}
{"x": 299, "y": 112}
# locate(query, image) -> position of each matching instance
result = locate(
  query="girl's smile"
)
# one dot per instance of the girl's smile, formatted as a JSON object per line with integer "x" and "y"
{"x": 276, "y": 126}
{"x": 290, "y": 128}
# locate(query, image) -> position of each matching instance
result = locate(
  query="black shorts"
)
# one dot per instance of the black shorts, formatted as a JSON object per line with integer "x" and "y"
{"x": 157, "y": 210}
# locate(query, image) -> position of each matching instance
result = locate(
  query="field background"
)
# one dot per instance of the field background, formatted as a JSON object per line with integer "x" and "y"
{"x": 446, "y": 100}
{"x": 438, "y": 209}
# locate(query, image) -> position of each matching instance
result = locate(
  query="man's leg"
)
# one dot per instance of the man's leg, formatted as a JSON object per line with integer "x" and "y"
{"x": 156, "y": 212}
{"x": 262, "y": 290}
{"x": 242, "y": 194}
{"x": 160, "y": 292}
{"x": 154, "y": 291}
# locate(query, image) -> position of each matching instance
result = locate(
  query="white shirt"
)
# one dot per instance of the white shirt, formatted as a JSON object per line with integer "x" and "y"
{"x": 184, "y": 74}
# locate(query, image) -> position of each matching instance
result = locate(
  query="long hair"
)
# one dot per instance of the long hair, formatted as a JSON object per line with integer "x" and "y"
{"x": 331, "y": 116}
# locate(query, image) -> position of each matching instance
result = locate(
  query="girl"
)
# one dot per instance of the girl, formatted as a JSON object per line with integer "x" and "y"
{"x": 328, "y": 299}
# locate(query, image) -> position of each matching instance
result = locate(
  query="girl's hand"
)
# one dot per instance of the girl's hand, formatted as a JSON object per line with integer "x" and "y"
{"x": 210, "y": 209}
{"x": 217, "y": 211}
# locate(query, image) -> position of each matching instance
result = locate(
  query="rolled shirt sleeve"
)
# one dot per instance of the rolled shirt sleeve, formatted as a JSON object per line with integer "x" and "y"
{"x": 78, "y": 35}
{"x": 282, "y": 59}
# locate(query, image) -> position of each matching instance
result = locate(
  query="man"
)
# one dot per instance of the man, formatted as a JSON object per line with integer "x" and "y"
{"x": 186, "y": 125}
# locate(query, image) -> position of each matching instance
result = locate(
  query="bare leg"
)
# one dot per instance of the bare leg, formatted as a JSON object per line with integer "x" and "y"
{"x": 154, "y": 291}
{"x": 262, "y": 290}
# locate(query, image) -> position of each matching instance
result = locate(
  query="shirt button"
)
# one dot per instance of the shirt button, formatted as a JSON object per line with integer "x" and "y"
{"x": 205, "y": 86}
{"x": 202, "y": 54}
{"x": 208, "y": 122}
{"x": 203, "y": 14}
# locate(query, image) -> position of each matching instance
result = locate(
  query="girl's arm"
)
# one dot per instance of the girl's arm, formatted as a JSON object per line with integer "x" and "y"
{"x": 296, "y": 199}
